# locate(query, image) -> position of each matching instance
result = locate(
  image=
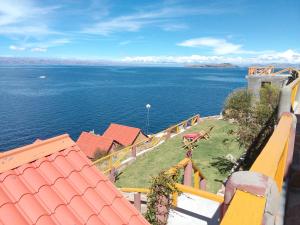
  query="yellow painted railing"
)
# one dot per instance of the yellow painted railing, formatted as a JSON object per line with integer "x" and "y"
{"x": 259, "y": 70}
{"x": 248, "y": 209}
{"x": 269, "y": 70}
{"x": 198, "y": 175}
{"x": 295, "y": 86}
{"x": 184, "y": 188}
{"x": 115, "y": 159}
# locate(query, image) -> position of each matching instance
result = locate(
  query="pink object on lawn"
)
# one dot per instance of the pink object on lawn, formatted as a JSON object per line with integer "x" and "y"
{"x": 191, "y": 136}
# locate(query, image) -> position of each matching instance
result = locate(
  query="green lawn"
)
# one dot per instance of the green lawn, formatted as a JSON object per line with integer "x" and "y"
{"x": 139, "y": 173}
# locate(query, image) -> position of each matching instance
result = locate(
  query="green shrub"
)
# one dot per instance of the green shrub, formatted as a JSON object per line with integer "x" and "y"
{"x": 255, "y": 117}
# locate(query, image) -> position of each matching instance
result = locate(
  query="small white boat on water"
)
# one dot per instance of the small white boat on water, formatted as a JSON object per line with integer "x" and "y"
{"x": 42, "y": 77}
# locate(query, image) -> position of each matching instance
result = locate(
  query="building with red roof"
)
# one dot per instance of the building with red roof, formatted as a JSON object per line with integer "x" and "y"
{"x": 52, "y": 182}
{"x": 95, "y": 145}
{"x": 124, "y": 135}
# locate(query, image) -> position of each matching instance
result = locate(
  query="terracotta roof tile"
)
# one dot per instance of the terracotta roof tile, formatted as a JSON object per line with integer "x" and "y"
{"x": 59, "y": 186}
{"x": 89, "y": 143}
{"x": 124, "y": 135}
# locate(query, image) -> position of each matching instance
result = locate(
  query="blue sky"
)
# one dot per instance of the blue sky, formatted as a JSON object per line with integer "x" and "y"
{"x": 137, "y": 31}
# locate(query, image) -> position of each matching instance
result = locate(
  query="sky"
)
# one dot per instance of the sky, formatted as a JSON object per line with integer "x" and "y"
{"x": 167, "y": 31}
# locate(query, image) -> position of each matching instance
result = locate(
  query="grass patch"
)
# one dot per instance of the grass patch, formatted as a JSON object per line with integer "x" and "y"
{"x": 139, "y": 173}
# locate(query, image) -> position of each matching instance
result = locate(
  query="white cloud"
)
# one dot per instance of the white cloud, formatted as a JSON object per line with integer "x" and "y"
{"x": 39, "y": 49}
{"x": 125, "y": 42}
{"x": 134, "y": 22}
{"x": 174, "y": 27}
{"x": 24, "y": 18}
{"x": 219, "y": 46}
{"x": 288, "y": 56}
{"x": 40, "y": 46}
{"x": 16, "y": 48}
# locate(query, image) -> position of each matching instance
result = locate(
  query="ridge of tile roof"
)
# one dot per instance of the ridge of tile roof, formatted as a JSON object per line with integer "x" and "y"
{"x": 19, "y": 156}
{"x": 61, "y": 187}
{"x": 125, "y": 135}
{"x": 89, "y": 143}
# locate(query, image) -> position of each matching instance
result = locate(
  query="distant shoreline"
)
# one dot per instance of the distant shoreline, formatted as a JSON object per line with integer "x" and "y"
{"x": 217, "y": 65}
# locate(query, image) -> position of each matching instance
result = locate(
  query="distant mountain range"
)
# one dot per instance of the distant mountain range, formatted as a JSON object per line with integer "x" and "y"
{"x": 51, "y": 61}
{"x": 7, "y": 61}
{"x": 214, "y": 65}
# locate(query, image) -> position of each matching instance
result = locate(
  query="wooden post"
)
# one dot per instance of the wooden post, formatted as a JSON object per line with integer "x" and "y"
{"x": 162, "y": 210}
{"x": 187, "y": 179}
{"x": 198, "y": 119}
{"x": 137, "y": 201}
{"x": 168, "y": 135}
{"x": 203, "y": 184}
{"x": 133, "y": 151}
{"x": 112, "y": 175}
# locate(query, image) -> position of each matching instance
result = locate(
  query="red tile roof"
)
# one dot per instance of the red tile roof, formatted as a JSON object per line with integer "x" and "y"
{"x": 90, "y": 143}
{"x": 52, "y": 182}
{"x": 123, "y": 134}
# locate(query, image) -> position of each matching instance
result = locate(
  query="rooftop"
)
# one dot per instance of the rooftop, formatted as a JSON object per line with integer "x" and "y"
{"x": 89, "y": 143}
{"x": 52, "y": 182}
{"x": 124, "y": 135}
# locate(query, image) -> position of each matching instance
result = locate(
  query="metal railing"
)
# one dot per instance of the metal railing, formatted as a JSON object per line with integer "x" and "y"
{"x": 109, "y": 163}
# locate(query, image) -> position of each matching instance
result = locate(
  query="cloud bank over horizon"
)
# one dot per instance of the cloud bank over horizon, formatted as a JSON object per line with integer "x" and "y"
{"x": 156, "y": 32}
{"x": 288, "y": 56}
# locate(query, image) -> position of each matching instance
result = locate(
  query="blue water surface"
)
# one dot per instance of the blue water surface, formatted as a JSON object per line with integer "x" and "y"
{"x": 45, "y": 101}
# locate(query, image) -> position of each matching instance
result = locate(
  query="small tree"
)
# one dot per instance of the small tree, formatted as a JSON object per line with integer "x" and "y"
{"x": 255, "y": 119}
{"x": 238, "y": 105}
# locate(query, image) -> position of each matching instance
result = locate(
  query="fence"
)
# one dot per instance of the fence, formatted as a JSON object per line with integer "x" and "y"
{"x": 198, "y": 188}
{"x": 273, "y": 162}
{"x": 114, "y": 160}
{"x": 268, "y": 70}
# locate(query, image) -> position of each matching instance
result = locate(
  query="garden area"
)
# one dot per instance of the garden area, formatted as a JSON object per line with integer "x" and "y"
{"x": 207, "y": 155}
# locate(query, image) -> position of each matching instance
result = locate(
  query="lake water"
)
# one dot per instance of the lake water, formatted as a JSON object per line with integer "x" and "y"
{"x": 45, "y": 101}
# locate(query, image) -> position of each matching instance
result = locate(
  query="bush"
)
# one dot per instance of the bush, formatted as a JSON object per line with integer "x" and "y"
{"x": 255, "y": 118}
{"x": 238, "y": 104}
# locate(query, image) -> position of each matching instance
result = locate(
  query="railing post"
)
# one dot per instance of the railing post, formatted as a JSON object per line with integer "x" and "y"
{"x": 187, "y": 179}
{"x": 110, "y": 162}
{"x": 184, "y": 125}
{"x": 285, "y": 100}
{"x": 137, "y": 201}
{"x": 174, "y": 198}
{"x": 196, "y": 180}
{"x": 203, "y": 184}
{"x": 192, "y": 121}
{"x": 112, "y": 175}
{"x": 198, "y": 119}
{"x": 133, "y": 151}
{"x": 161, "y": 209}
{"x": 168, "y": 135}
